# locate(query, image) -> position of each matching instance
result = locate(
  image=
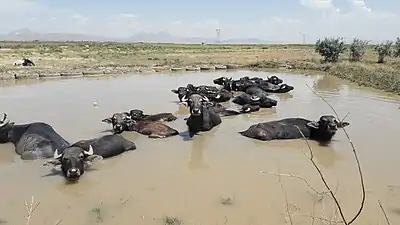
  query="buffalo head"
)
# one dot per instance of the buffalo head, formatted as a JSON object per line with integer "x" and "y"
{"x": 181, "y": 92}
{"x": 221, "y": 81}
{"x": 119, "y": 121}
{"x": 195, "y": 103}
{"x": 327, "y": 125}
{"x": 73, "y": 160}
{"x": 5, "y": 128}
{"x": 137, "y": 114}
{"x": 284, "y": 88}
{"x": 249, "y": 108}
{"x": 274, "y": 80}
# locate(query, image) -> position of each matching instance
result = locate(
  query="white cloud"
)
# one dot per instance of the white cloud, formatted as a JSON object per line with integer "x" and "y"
{"x": 360, "y": 20}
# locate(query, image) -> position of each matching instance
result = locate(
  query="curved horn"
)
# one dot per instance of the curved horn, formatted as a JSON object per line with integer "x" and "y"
{"x": 4, "y": 118}
{"x": 184, "y": 99}
{"x": 206, "y": 99}
{"x": 90, "y": 152}
{"x": 218, "y": 96}
{"x": 255, "y": 98}
{"x": 56, "y": 155}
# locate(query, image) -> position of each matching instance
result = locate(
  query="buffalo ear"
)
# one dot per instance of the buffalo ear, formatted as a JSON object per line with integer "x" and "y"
{"x": 93, "y": 158}
{"x": 174, "y": 91}
{"x": 107, "y": 120}
{"x": 343, "y": 124}
{"x": 313, "y": 124}
{"x": 52, "y": 162}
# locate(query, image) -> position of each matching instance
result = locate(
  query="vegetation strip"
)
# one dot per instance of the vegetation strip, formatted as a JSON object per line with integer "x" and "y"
{"x": 368, "y": 65}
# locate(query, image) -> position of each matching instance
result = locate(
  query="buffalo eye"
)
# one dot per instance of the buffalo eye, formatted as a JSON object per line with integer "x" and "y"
{"x": 81, "y": 156}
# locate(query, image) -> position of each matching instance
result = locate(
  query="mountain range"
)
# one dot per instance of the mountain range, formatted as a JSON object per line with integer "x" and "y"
{"x": 155, "y": 37}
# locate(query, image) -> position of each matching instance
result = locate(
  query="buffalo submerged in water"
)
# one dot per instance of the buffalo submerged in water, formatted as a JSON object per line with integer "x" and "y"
{"x": 74, "y": 158}
{"x": 36, "y": 140}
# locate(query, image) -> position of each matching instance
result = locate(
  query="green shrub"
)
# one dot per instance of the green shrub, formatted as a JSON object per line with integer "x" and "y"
{"x": 357, "y": 49}
{"x": 396, "y": 50}
{"x": 330, "y": 48}
{"x": 383, "y": 50}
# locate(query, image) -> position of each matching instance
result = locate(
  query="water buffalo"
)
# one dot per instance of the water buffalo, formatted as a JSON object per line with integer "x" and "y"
{"x": 272, "y": 88}
{"x": 118, "y": 121}
{"x": 243, "y": 110}
{"x": 151, "y": 129}
{"x": 73, "y": 158}
{"x": 138, "y": 115}
{"x": 183, "y": 92}
{"x": 202, "y": 118}
{"x": 256, "y": 91}
{"x": 222, "y": 95}
{"x": 123, "y": 122}
{"x": 33, "y": 140}
{"x": 24, "y": 62}
{"x": 263, "y": 102}
{"x": 322, "y": 130}
{"x": 244, "y": 82}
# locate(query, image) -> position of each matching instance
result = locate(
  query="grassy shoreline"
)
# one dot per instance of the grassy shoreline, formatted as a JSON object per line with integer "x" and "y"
{"x": 89, "y": 58}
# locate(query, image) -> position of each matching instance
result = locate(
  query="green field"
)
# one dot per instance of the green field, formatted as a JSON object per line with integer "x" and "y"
{"x": 76, "y": 57}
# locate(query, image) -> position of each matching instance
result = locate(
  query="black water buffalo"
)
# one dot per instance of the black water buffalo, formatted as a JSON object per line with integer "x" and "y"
{"x": 33, "y": 140}
{"x": 263, "y": 102}
{"x": 244, "y": 82}
{"x": 322, "y": 130}
{"x": 243, "y": 110}
{"x": 118, "y": 121}
{"x": 138, "y": 115}
{"x": 73, "y": 158}
{"x": 222, "y": 95}
{"x": 24, "y": 62}
{"x": 202, "y": 118}
{"x": 123, "y": 122}
{"x": 273, "y": 88}
{"x": 256, "y": 91}
{"x": 183, "y": 92}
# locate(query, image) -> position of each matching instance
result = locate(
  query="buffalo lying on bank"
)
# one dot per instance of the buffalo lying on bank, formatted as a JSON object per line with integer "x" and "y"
{"x": 202, "y": 118}
{"x": 123, "y": 122}
{"x": 33, "y": 140}
{"x": 322, "y": 130}
{"x": 24, "y": 62}
{"x": 74, "y": 158}
{"x": 263, "y": 102}
{"x": 138, "y": 115}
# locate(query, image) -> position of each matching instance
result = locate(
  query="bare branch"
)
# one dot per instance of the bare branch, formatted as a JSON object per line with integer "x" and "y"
{"x": 30, "y": 208}
{"x": 363, "y": 194}
{"x": 384, "y": 213}
{"x": 311, "y": 158}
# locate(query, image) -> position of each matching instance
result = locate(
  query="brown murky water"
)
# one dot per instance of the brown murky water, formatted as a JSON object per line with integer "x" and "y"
{"x": 214, "y": 178}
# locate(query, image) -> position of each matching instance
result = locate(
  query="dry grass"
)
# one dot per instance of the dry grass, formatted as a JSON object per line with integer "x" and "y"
{"x": 119, "y": 57}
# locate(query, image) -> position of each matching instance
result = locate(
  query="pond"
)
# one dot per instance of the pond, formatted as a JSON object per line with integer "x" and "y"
{"x": 215, "y": 177}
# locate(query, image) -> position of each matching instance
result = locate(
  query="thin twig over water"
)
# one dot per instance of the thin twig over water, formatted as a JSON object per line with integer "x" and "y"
{"x": 384, "y": 213}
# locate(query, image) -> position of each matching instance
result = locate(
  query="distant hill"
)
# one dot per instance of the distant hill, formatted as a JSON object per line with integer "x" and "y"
{"x": 156, "y": 37}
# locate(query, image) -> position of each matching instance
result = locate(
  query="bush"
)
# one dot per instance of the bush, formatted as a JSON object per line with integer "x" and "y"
{"x": 330, "y": 48}
{"x": 396, "y": 50}
{"x": 383, "y": 50}
{"x": 357, "y": 49}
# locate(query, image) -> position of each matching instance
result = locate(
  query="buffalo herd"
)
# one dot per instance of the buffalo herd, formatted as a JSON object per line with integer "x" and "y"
{"x": 38, "y": 140}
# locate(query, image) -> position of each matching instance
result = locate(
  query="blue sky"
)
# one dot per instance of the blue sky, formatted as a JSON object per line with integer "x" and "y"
{"x": 284, "y": 20}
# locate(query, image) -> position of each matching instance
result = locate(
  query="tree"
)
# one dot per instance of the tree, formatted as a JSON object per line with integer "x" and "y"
{"x": 357, "y": 49}
{"x": 383, "y": 50}
{"x": 330, "y": 48}
{"x": 396, "y": 50}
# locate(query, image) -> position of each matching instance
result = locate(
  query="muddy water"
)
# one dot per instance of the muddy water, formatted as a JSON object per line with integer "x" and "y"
{"x": 214, "y": 178}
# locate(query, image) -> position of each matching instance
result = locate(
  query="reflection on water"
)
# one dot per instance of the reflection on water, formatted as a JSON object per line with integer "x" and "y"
{"x": 184, "y": 178}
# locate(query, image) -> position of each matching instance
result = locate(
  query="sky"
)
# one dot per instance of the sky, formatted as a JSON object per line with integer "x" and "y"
{"x": 271, "y": 20}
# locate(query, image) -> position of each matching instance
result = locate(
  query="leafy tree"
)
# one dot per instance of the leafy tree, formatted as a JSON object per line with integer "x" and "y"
{"x": 383, "y": 50}
{"x": 330, "y": 48}
{"x": 396, "y": 50}
{"x": 357, "y": 49}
